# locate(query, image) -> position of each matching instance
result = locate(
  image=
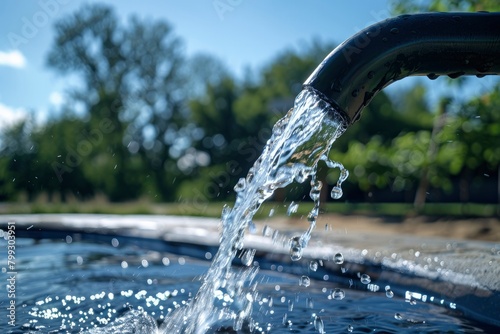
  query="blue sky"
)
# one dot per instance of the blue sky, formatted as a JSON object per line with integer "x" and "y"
{"x": 239, "y": 32}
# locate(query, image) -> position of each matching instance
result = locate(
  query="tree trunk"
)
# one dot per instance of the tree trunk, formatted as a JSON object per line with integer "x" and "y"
{"x": 432, "y": 151}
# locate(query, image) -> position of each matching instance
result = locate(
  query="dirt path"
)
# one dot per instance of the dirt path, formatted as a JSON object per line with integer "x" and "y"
{"x": 486, "y": 229}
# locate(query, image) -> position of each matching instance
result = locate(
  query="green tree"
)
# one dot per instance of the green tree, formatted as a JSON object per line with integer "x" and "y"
{"x": 468, "y": 142}
{"x": 236, "y": 119}
{"x": 132, "y": 77}
{"x": 413, "y": 6}
{"x": 18, "y": 161}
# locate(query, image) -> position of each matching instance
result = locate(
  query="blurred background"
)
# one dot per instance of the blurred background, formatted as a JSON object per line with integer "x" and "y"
{"x": 160, "y": 106}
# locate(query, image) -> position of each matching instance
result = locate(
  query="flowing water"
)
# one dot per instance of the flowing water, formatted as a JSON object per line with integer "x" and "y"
{"x": 299, "y": 140}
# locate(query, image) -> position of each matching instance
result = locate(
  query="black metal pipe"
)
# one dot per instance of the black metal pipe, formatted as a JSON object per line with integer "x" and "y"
{"x": 431, "y": 44}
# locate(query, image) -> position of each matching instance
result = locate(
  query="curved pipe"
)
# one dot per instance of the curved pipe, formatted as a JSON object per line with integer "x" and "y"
{"x": 431, "y": 44}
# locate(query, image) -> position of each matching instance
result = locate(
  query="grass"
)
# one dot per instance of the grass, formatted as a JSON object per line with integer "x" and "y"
{"x": 213, "y": 209}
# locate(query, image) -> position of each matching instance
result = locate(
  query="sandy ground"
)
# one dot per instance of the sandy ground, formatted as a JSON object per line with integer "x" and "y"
{"x": 486, "y": 229}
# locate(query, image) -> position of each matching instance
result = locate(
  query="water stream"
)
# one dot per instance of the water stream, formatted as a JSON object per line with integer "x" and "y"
{"x": 299, "y": 140}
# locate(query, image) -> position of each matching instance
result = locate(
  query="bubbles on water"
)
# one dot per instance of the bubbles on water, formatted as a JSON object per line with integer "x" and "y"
{"x": 292, "y": 208}
{"x": 313, "y": 265}
{"x": 350, "y": 328}
{"x": 296, "y": 248}
{"x": 338, "y": 258}
{"x": 365, "y": 279}
{"x": 338, "y": 294}
{"x": 305, "y": 281}
{"x": 398, "y": 316}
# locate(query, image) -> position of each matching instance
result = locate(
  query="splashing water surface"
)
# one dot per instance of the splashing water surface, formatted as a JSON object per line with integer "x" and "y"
{"x": 299, "y": 140}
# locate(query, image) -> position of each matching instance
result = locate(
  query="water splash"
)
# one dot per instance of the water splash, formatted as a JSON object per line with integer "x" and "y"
{"x": 299, "y": 140}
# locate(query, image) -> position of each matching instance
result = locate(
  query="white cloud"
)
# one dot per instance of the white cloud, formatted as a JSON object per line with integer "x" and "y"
{"x": 12, "y": 59}
{"x": 9, "y": 115}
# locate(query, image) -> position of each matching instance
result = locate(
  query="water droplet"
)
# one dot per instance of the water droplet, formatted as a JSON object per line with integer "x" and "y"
{"x": 370, "y": 75}
{"x": 226, "y": 210}
{"x": 271, "y": 212}
{"x": 240, "y": 186}
{"x": 339, "y": 258}
{"x": 295, "y": 249}
{"x": 275, "y": 236}
{"x": 338, "y": 294}
{"x": 301, "y": 176}
{"x": 305, "y": 281}
{"x": 350, "y": 328}
{"x": 250, "y": 175}
{"x": 251, "y": 227}
{"x": 395, "y": 31}
{"x": 315, "y": 190}
{"x": 267, "y": 231}
{"x": 309, "y": 303}
{"x": 389, "y": 293}
{"x": 292, "y": 208}
{"x": 290, "y": 305}
{"x": 247, "y": 257}
{"x": 313, "y": 265}
{"x": 336, "y": 192}
{"x": 337, "y": 86}
{"x": 318, "y": 325}
{"x": 365, "y": 279}
{"x": 432, "y": 76}
{"x": 398, "y": 316}
{"x": 355, "y": 93}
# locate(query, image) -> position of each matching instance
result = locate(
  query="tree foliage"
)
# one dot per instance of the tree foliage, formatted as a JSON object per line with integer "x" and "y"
{"x": 144, "y": 120}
